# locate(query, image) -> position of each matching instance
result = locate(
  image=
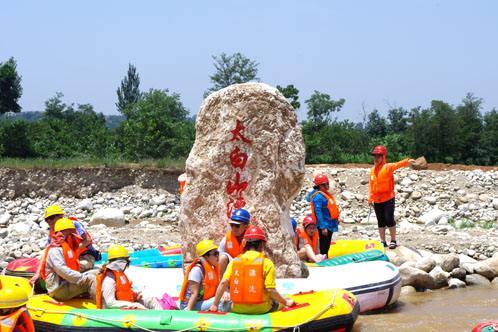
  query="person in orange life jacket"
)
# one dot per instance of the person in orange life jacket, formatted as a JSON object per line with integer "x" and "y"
{"x": 60, "y": 266}
{"x": 231, "y": 244}
{"x": 251, "y": 279}
{"x": 307, "y": 245}
{"x": 14, "y": 317}
{"x": 114, "y": 289}
{"x": 381, "y": 192}
{"x": 201, "y": 279}
{"x": 324, "y": 210}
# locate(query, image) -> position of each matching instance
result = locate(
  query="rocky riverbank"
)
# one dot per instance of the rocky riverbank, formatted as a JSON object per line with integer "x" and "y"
{"x": 438, "y": 212}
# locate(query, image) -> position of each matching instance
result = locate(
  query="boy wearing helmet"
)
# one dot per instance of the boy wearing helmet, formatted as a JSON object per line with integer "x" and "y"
{"x": 251, "y": 278}
{"x": 307, "y": 244}
{"x": 60, "y": 267}
{"x": 324, "y": 211}
{"x": 13, "y": 314}
{"x": 114, "y": 289}
{"x": 231, "y": 244}
{"x": 201, "y": 279}
{"x": 381, "y": 192}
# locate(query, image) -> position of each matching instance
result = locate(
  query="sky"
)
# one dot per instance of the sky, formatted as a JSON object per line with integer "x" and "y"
{"x": 374, "y": 54}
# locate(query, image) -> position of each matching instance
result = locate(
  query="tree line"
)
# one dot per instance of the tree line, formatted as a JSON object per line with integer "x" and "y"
{"x": 155, "y": 124}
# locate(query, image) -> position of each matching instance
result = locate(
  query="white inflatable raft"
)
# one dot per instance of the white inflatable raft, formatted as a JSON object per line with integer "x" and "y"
{"x": 376, "y": 284}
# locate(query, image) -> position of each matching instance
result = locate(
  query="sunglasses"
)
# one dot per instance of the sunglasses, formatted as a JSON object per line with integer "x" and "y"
{"x": 213, "y": 253}
{"x": 235, "y": 225}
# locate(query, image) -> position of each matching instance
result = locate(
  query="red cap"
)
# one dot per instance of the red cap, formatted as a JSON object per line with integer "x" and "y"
{"x": 254, "y": 233}
{"x": 308, "y": 220}
{"x": 321, "y": 179}
{"x": 380, "y": 149}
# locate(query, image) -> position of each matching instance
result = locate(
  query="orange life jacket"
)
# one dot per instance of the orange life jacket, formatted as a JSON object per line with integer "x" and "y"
{"x": 232, "y": 245}
{"x": 381, "y": 184}
{"x": 247, "y": 280}
{"x": 313, "y": 242}
{"x": 124, "y": 291}
{"x": 19, "y": 320}
{"x": 331, "y": 205}
{"x": 70, "y": 257}
{"x": 209, "y": 283}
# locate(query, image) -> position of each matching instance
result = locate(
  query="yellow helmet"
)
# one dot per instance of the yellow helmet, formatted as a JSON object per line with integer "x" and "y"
{"x": 205, "y": 246}
{"x": 117, "y": 251}
{"x": 52, "y": 210}
{"x": 12, "y": 297}
{"x": 64, "y": 223}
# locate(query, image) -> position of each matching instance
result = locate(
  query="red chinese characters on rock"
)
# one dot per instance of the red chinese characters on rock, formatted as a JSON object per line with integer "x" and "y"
{"x": 238, "y": 159}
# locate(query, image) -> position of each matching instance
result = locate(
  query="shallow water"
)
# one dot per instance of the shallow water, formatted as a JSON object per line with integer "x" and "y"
{"x": 441, "y": 310}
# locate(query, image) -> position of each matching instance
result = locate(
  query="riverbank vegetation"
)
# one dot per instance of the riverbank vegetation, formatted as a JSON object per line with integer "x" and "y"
{"x": 154, "y": 127}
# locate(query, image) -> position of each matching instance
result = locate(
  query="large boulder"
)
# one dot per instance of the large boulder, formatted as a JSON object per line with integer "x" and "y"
{"x": 248, "y": 152}
{"x": 419, "y": 279}
{"x": 477, "y": 280}
{"x": 484, "y": 269}
{"x": 439, "y": 276}
{"x": 426, "y": 264}
{"x": 110, "y": 217}
{"x": 450, "y": 262}
{"x": 403, "y": 254}
{"x": 432, "y": 217}
{"x": 456, "y": 283}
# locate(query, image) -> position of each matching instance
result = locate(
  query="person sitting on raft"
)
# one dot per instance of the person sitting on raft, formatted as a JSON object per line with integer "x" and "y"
{"x": 255, "y": 293}
{"x": 114, "y": 289}
{"x": 60, "y": 267}
{"x": 201, "y": 279}
{"x": 13, "y": 313}
{"x": 231, "y": 244}
{"x": 307, "y": 244}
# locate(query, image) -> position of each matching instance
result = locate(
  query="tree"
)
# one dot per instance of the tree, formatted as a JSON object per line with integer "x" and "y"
{"x": 15, "y": 139}
{"x": 489, "y": 138}
{"x": 398, "y": 121}
{"x": 321, "y": 107}
{"x": 445, "y": 133}
{"x": 376, "y": 125}
{"x": 129, "y": 91}
{"x": 232, "y": 69}
{"x": 10, "y": 87}
{"x": 469, "y": 127}
{"x": 292, "y": 94}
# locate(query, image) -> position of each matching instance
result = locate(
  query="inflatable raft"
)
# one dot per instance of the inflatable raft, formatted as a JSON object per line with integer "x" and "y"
{"x": 346, "y": 247}
{"x": 332, "y": 310}
{"x": 376, "y": 284}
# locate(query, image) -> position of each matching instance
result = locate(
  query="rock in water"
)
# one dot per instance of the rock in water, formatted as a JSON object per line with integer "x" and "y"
{"x": 248, "y": 153}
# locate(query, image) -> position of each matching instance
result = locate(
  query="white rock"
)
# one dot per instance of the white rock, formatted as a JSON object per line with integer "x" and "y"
{"x": 456, "y": 283}
{"x": 426, "y": 264}
{"x": 110, "y": 217}
{"x": 85, "y": 204}
{"x": 413, "y": 177}
{"x": 432, "y": 217}
{"x": 5, "y": 218}
{"x": 158, "y": 200}
{"x": 495, "y": 203}
{"x": 347, "y": 195}
{"x": 439, "y": 276}
{"x": 430, "y": 199}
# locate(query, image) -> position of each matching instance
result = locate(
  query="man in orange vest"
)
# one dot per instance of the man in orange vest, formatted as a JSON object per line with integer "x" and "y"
{"x": 307, "y": 244}
{"x": 324, "y": 210}
{"x": 251, "y": 278}
{"x": 14, "y": 316}
{"x": 60, "y": 266}
{"x": 114, "y": 289}
{"x": 381, "y": 192}
{"x": 231, "y": 244}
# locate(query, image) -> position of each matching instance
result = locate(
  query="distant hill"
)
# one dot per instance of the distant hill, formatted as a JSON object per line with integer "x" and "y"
{"x": 111, "y": 121}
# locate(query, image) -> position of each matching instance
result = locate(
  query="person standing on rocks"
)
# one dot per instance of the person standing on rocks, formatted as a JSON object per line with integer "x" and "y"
{"x": 381, "y": 192}
{"x": 324, "y": 211}
{"x": 307, "y": 243}
{"x": 231, "y": 244}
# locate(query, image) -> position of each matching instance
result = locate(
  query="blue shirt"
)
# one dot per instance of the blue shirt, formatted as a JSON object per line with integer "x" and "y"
{"x": 323, "y": 219}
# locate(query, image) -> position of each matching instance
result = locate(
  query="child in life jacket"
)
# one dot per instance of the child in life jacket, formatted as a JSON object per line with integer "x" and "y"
{"x": 307, "y": 242}
{"x": 114, "y": 289}
{"x": 251, "y": 278}
{"x": 14, "y": 316}
{"x": 231, "y": 244}
{"x": 201, "y": 279}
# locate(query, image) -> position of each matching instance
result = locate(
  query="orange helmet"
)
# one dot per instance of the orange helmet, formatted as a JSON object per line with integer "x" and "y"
{"x": 321, "y": 179}
{"x": 308, "y": 220}
{"x": 254, "y": 233}
{"x": 380, "y": 149}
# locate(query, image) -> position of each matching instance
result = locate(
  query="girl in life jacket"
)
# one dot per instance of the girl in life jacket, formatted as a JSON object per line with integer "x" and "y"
{"x": 307, "y": 241}
{"x": 114, "y": 289}
{"x": 201, "y": 279}
{"x": 14, "y": 316}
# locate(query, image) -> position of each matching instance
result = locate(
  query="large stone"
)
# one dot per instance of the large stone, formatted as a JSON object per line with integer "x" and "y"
{"x": 110, "y": 217}
{"x": 476, "y": 280}
{"x": 248, "y": 152}
{"x": 440, "y": 277}
{"x": 426, "y": 264}
{"x": 458, "y": 273}
{"x": 419, "y": 279}
{"x": 433, "y": 216}
{"x": 406, "y": 290}
{"x": 484, "y": 269}
{"x": 402, "y": 254}
{"x": 4, "y": 219}
{"x": 456, "y": 283}
{"x": 450, "y": 262}
{"x": 85, "y": 204}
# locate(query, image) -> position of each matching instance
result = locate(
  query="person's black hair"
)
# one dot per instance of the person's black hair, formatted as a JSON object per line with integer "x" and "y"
{"x": 316, "y": 187}
{"x": 253, "y": 245}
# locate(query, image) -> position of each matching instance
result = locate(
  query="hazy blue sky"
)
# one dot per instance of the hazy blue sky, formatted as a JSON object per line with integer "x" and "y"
{"x": 372, "y": 53}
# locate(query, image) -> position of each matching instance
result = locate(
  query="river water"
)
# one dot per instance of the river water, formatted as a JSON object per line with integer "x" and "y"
{"x": 441, "y": 310}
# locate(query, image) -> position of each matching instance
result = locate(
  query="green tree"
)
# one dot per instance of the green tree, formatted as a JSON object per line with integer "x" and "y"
{"x": 489, "y": 138}
{"x": 376, "y": 125}
{"x": 232, "y": 69}
{"x": 321, "y": 107}
{"x": 129, "y": 91}
{"x": 15, "y": 139}
{"x": 446, "y": 137}
{"x": 292, "y": 94}
{"x": 10, "y": 87}
{"x": 398, "y": 121}
{"x": 157, "y": 127}
{"x": 469, "y": 128}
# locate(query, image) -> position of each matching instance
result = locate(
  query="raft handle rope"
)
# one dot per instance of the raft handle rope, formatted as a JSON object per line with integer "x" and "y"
{"x": 200, "y": 327}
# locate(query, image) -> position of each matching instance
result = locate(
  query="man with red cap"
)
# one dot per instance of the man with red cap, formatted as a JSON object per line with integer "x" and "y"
{"x": 381, "y": 192}
{"x": 324, "y": 211}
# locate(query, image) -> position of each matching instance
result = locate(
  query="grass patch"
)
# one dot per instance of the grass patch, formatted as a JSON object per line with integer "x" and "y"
{"x": 39, "y": 163}
{"x": 467, "y": 223}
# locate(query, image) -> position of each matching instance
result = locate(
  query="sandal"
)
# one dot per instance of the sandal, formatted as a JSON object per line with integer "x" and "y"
{"x": 384, "y": 244}
{"x": 393, "y": 244}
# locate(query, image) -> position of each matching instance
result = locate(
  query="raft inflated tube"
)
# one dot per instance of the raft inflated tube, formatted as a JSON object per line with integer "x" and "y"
{"x": 346, "y": 247}
{"x": 325, "y": 310}
{"x": 367, "y": 256}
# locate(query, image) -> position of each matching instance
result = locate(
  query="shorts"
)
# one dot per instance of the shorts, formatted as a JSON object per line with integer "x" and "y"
{"x": 385, "y": 213}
